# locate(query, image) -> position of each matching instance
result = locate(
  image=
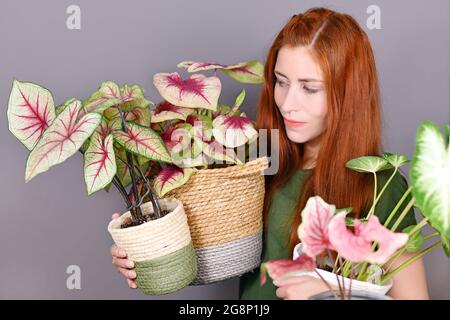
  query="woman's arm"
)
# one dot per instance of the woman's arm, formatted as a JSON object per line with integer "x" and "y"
{"x": 410, "y": 283}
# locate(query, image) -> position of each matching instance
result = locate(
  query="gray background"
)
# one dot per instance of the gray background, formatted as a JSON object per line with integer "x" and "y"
{"x": 49, "y": 223}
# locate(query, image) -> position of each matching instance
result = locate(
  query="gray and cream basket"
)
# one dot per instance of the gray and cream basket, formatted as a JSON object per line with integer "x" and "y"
{"x": 224, "y": 210}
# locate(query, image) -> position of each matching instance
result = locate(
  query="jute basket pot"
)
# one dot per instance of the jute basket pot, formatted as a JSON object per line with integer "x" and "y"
{"x": 224, "y": 209}
{"x": 162, "y": 249}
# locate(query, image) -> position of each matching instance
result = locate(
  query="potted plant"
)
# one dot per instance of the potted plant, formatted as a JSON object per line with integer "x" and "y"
{"x": 215, "y": 171}
{"x": 112, "y": 130}
{"x": 355, "y": 258}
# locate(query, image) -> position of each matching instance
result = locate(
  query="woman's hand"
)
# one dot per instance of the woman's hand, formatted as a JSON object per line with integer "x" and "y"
{"x": 299, "y": 287}
{"x": 122, "y": 264}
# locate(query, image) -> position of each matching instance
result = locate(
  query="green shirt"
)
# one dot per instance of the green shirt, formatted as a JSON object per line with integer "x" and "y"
{"x": 279, "y": 217}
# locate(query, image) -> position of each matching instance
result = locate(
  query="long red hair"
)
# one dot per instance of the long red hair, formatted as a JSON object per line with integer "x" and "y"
{"x": 353, "y": 129}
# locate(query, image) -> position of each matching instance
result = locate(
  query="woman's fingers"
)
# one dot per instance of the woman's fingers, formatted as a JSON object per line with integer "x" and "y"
{"x": 118, "y": 252}
{"x": 115, "y": 216}
{"x": 131, "y": 284}
{"x": 122, "y": 263}
{"x": 127, "y": 273}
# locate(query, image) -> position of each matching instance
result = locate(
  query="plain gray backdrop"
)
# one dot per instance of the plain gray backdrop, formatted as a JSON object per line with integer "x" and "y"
{"x": 50, "y": 223}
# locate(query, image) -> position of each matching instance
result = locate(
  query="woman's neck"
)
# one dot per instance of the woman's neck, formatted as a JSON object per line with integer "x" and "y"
{"x": 310, "y": 153}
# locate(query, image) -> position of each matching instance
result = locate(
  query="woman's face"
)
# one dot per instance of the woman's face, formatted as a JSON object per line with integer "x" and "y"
{"x": 300, "y": 94}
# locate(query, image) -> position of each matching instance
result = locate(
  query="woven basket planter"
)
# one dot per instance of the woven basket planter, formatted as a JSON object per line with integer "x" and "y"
{"x": 162, "y": 249}
{"x": 224, "y": 210}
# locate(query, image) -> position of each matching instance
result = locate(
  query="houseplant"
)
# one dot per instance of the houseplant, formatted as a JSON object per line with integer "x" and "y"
{"x": 111, "y": 130}
{"x": 215, "y": 171}
{"x": 362, "y": 253}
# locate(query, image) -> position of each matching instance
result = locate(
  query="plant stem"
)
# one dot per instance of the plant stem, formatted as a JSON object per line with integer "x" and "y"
{"x": 136, "y": 210}
{"x": 394, "y": 211}
{"x": 372, "y": 209}
{"x": 409, "y": 261}
{"x": 326, "y": 283}
{"x": 122, "y": 191}
{"x": 403, "y": 214}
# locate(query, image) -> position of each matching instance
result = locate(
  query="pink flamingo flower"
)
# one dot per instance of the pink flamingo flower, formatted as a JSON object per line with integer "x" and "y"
{"x": 357, "y": 246}
{"x": 313, "y": 231}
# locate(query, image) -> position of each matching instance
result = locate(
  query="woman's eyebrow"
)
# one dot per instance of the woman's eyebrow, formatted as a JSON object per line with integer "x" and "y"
{"x": 300, "y": 80}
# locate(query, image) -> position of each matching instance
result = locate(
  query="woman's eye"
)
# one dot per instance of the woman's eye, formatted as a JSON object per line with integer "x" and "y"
{"x": 280, "y": 83}
{"x": 310, "y": 90}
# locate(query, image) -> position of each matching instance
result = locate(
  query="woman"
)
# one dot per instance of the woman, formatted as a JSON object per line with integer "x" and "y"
{"x": 321, "y": 92}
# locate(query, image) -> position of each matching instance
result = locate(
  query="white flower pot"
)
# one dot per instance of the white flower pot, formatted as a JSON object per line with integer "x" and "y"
{"x": 331, "y": 279}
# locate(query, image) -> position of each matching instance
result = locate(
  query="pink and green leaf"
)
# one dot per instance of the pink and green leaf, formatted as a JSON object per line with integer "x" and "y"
{"x": 143, "y": 141}
{"x": 107, "y": 96}
{"x": 61, "y": 107}
{"x": 30, "y": 111}
{"x": 249, "y": 72}
{"x": 170, "y": 178}
{"x": 217, "y": 151}
{"x": 192, "y": 66}
{"x": 61, "y": 140}
{"x": 99, "y": 163}
{"x": 198, "y": 91}
{"x": 278, "y": 268}
{"x": 178, "y": 137}
{"x": 233, "y": 131}
{"x": 313, "y": 231}
{"x": 140, "y": 116}
{"x": 123, "y": 172}
{"x": 132, "y": 97}
{"x": 166, "y": 111}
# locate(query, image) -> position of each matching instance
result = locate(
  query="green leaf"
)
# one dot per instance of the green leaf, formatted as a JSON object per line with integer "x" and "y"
{"x": 30, "y": 111}
{"x": 368, "y": 164}
{"x": 395, "y": 159}
{"x": 239, "y": 99}
{"x": 144, "y": 142}
{"x": 61, "y": 140}
{"x": 99, "y": 163}
{"x": 430, "y": 176}
{"x": 415, "y": 241}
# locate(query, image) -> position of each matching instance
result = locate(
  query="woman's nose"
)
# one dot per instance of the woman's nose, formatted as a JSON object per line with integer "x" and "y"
{"x": 291, "y": 101}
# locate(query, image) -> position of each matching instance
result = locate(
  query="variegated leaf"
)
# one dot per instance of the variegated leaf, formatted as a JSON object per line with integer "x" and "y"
{"x": 166, "y": 111}
{"x": 99, "y": 163}
{"x": 233, "y": 131}
{"x": 198, "y": 91}
{"x": 30, "y": 112}
{"x": 170, "y": 178}
{"x": 133, "y": 97}
{"x": 430, "y": 176}
{"x": 123, "y": 172}
{"x": 140, "y": 116}
{"x": 61, "y": 140}
{"x": 250, "y": 72}
{"x": 108, "y": 95}
{"x": 143, "y": 141}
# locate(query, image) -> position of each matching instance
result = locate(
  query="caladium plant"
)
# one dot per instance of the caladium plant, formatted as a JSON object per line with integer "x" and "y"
{"x": 198, "y": 131}
{"x": 368, "y": 246}
{"x": 111, "y": 129}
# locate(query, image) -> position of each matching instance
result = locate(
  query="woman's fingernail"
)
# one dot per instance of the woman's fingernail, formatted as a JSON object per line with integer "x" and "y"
{"x": 133, "y": 285}
{"x": 130, "y": 264}
{"x": 132, "y": 274}
{"x": 122, "y": 253}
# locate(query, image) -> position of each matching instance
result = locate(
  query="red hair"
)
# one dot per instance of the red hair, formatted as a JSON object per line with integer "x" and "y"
{"x": 353, "y": 128}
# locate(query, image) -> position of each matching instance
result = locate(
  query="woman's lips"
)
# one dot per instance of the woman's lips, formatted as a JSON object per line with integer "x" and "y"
{"x": 291, "y": 123}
